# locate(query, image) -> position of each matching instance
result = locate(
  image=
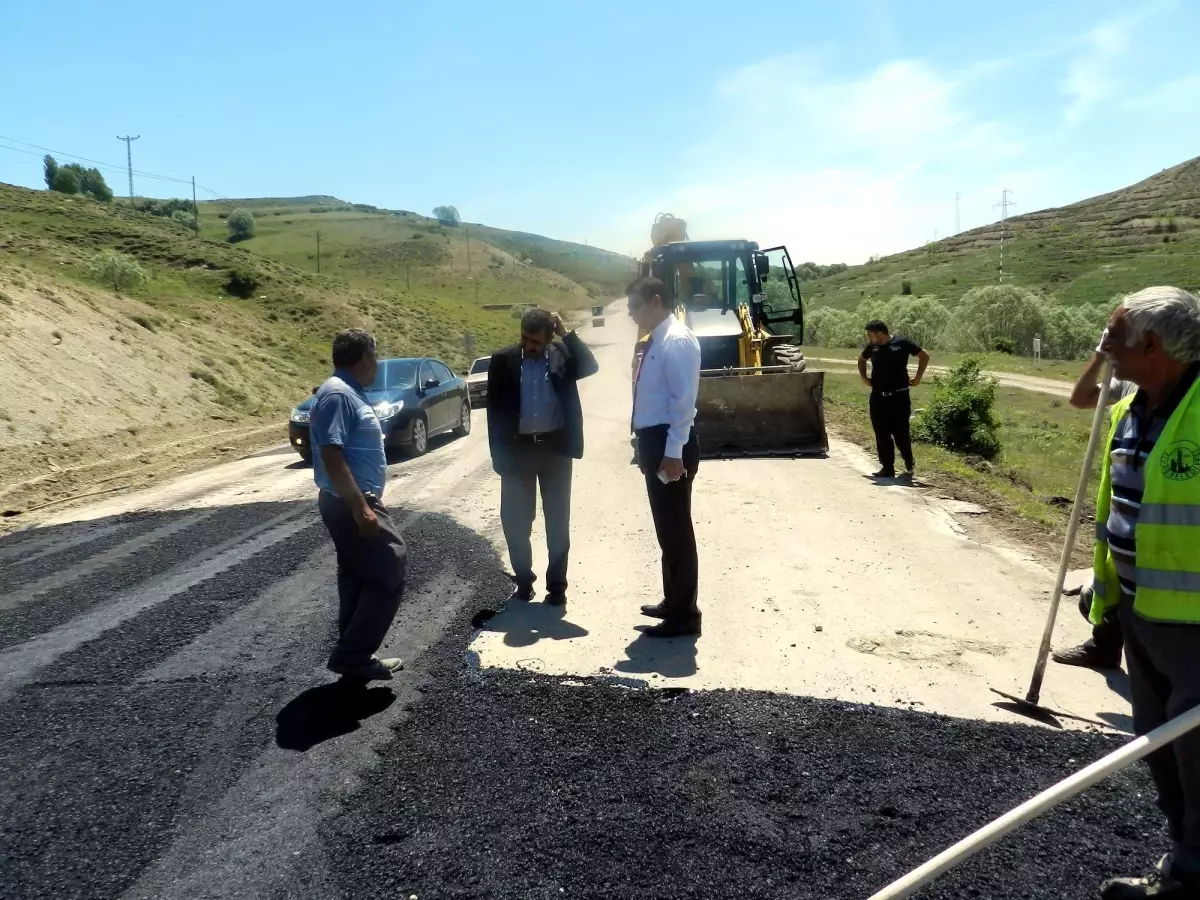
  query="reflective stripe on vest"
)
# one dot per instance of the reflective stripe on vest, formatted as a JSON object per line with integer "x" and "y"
{"x": 1168, "y": 514}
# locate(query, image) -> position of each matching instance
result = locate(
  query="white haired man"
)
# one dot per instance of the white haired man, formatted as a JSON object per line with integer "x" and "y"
{"x": 1147, "y": 558}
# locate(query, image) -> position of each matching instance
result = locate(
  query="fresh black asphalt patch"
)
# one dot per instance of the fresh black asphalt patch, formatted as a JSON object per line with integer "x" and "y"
{"x": 503, "y": 785}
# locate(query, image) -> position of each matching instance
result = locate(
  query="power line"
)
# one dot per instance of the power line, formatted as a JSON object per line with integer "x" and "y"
{"x": 129, "y": 158}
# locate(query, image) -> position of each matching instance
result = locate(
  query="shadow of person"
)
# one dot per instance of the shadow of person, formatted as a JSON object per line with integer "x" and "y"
{"x": 329, "y": 711}
{"x": 524, "y": 624}
{"x": 1118, "y": 682}
{"x": 669, "y": 657}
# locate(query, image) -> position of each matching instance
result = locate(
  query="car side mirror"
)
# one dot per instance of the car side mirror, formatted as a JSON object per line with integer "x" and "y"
{"x": 762, "y": 265}
{"x": 430, "y": 383}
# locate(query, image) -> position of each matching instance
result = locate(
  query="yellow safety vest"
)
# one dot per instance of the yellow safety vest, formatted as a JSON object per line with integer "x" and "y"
{"x": 1168, "y": 525}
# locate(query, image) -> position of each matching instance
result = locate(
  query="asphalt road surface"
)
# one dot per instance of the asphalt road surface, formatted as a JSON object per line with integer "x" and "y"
{"x": 167, "y": 729}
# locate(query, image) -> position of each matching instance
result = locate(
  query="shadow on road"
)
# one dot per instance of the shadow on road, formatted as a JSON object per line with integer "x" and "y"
{"x": 329, "y": 711}
{"x": 524, "y": 624}
{"x": 670, "y": 658}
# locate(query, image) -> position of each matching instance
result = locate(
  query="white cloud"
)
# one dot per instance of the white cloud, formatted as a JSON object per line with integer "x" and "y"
{"x": 1092, "y": 76}
{"x": 838, "y": 168}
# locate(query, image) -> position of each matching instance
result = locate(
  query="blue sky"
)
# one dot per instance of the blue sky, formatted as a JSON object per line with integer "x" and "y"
{"x": 842, "y": 129}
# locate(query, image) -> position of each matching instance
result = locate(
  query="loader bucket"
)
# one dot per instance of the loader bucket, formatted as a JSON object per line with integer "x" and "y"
{"x": 761, "y": 414}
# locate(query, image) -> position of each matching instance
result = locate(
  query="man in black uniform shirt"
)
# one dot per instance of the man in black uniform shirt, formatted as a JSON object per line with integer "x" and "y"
{"x": 889, "y": 382}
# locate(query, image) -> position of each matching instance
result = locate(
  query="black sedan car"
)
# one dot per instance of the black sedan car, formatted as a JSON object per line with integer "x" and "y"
{"x": 415, "y": 400}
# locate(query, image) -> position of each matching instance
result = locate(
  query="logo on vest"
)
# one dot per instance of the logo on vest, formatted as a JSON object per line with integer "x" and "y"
{"x": 1181, "y": 461}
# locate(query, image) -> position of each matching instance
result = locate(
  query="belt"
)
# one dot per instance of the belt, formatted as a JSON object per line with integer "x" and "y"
{"x": 538, "y": 437}
{"x": 892, "y": 393}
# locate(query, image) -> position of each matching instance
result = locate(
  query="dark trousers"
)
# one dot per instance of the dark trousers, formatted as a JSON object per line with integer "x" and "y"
{"x": 537, "y": 465}
{"x": 1164, "y": 680}
{"x": 671, "y": 508}
{"x": 370, "y": 580}
{"x": 889, "y": 420}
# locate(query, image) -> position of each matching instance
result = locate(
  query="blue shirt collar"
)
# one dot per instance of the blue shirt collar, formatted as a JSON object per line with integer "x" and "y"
{"x": 345, "y": 375}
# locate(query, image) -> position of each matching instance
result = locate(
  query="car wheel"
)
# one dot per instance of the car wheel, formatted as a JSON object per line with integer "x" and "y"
{"x": 420, "y": 438}
{"x": 464, "y": 420}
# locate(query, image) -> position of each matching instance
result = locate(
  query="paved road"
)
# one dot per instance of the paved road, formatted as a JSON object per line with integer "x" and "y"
{"x": 1009, "y": 379}
{"x": 168, "y": 731}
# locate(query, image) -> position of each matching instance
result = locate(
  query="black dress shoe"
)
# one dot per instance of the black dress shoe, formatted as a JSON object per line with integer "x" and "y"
{"x": 1087, "y": 657}
{"x": 884, "y": 473}
{"x": 524, "y": 594}
{"x": 676, "y": 628}
{"x": 655, "y": 610}
{"x": 556, "y": 598}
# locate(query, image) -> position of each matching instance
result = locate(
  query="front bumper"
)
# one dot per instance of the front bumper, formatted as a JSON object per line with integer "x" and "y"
{"x": 298, "y": 437}
{"x": 477, "y": 394}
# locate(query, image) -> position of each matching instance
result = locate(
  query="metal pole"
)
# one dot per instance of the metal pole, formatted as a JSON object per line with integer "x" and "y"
{"x": 1034, "y": 807}
{"x": 129, "y": 158}
{"x": 1064, "y": 563}
{"x": 195, "y": 207}
{"x": 318, "y": 252}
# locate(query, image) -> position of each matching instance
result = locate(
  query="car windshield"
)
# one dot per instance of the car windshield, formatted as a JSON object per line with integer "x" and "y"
{"x": 395, "y": 374}
{"x": 480, "y": 365}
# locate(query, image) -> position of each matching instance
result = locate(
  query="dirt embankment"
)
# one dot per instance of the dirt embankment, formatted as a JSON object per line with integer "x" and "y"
{"x": 98, "y": 395}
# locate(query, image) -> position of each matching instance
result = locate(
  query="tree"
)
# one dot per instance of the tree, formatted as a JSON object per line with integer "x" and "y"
{"x": 829, "y": 327}
{"x": 92, "y": 183}
{"x": 117, "y": 270}
{"x": 66, "y": 180}
{"x": 241, "y": 225}
{"x": 447, "y": 215}
{"x": 921, "y": 319}
{"x": 988, "y": 314}
{"x": 50, "y": 168}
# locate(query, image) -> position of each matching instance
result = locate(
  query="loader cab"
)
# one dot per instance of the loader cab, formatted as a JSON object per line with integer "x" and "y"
{"x": 711, "y": 280}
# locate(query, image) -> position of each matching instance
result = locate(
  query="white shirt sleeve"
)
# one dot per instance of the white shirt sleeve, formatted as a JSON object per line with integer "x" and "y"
{"x": 681, "y": 363}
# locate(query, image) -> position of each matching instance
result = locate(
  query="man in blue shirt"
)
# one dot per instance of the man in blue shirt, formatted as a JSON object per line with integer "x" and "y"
{"x": 350, "y": 469}
{"x": 535, "y": 431}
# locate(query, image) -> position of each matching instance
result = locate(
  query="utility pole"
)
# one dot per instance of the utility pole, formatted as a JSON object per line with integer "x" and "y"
{"x": 467, "y": 234}
{"x": 1003, "y": 206}
{"x": 318, "y": 252}
{"x": 957, "y": 226}
{"x": 195, "y": 208}
{"x": 129, "y": 158}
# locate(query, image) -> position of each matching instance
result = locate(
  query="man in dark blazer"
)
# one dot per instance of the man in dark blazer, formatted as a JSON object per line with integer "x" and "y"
{"x": 535, "y": 430}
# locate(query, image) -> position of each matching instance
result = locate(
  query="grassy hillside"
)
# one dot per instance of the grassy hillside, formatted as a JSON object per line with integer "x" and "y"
{"x": 187, "y": 365}
{"x": 415, "y": 256}
{"x": 1088, "y": 252}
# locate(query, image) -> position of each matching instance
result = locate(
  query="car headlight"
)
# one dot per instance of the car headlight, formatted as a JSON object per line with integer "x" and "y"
{"x": 300, "y": 416}
{"x": 386, "y": 410}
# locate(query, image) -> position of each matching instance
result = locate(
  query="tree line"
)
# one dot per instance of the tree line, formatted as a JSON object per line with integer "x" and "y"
{"x": 75, "y": 179}
{"x": 994, "y": 318}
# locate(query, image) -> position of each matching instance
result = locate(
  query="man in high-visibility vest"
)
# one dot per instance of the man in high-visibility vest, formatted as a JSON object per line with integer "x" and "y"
{"x": 1147, "y": 556}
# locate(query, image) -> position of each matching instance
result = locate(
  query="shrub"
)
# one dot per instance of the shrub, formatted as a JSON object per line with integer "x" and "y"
{"x": 1005, "y": 345}
{"x": 117, "y": 270}
{"x": 241, "y": 225}
{"x": 828, "y": 327}
{"x": 905, "y": 287}
{"x": 961, "y": 416}
{"x": 921, "y": 319}
{"x": 242, "y": 283}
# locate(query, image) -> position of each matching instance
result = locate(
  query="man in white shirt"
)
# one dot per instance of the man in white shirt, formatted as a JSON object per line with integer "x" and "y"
{"x": 664, "y": 408}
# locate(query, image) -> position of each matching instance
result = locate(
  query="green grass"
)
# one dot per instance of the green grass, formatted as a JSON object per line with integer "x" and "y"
{"x": 1056, "y": 369}
{"x": 1043, "y": 441}
{"x": 283, "y": 331}
{"x": 1085, "y": 253}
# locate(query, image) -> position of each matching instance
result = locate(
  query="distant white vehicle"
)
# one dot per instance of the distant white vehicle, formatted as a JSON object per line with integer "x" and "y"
{"x": 477, "y": 381}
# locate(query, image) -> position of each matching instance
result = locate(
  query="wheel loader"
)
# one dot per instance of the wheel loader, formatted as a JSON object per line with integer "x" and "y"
{"x": 743, "y": 304}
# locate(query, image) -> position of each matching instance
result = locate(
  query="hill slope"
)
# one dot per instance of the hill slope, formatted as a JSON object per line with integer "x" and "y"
{"x": 1148, "y": 233}
{"x": 401, "y": 251}
{"x": 102, "y": 385}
